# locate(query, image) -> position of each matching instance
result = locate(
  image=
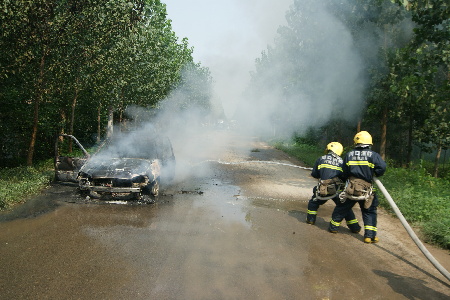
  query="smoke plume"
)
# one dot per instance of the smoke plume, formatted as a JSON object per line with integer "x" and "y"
{"x": 309, "y": 69}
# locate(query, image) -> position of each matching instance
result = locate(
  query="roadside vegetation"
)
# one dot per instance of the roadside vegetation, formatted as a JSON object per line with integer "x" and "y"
{"x": 423, "y": 199}
{"x": 20, "y": 183}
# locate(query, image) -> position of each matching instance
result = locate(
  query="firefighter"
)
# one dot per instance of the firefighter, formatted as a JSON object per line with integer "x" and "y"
{"x": 360, "y": 165}
{"x": 328, "y": 169}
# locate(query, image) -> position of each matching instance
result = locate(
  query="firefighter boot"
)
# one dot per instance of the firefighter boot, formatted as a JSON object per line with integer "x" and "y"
{"x": 369, "y": 240}
{"x": 354, "y": 226}
{"x": 311, "y": 217}
{"x": 355, "y": 230}
{"x": 334, "y": 226}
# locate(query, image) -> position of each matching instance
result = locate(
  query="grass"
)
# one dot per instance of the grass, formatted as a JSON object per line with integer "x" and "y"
{"x": 304, "y": 152}
{"x": 423, "y": 200}
{"x": 20, "y": 183}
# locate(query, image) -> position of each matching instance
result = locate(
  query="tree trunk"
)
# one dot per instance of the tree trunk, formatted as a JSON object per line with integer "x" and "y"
{"x": 384, "y": 121}
{"x": 33, "y": 131}
{"x": 63, "y": 121}
{"x": 36, "y": 101}
{"x": 436, "y": 161}
{"x": 445, "y": 160}
{"x": 410, "y": 138}
{"x": 99, "y": 124}
{"x": 121, "y": 123}
{"x": 109, "y": 130}
{"x": 72, "y": 117}
{"x": 358, "y": 126}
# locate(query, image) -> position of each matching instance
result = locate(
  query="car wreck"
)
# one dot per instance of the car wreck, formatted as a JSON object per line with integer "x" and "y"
{"x": 126, "y": 167}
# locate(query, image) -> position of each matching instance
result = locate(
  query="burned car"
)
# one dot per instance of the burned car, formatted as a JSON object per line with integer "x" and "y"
{"x": 127, "y": 167}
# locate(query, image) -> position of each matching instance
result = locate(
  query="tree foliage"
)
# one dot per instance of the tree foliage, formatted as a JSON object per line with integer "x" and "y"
{"x": 63, "y": 64}
{"x": 421, "y": 78}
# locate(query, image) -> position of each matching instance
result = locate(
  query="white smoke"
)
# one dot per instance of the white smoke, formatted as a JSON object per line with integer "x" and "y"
{"x": 313, "y": 77}
{"x": 227, "y": 36}
{"x": 311, "y": 74}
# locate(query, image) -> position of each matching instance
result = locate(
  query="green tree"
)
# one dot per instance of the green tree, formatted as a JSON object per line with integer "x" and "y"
{"x": 65, "y": 64}
{"x": 422, "y": 76}
{"x": 29, "y": 40}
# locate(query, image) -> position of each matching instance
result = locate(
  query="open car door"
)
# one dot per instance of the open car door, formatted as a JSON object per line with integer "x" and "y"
{"x": 68, "y": 166}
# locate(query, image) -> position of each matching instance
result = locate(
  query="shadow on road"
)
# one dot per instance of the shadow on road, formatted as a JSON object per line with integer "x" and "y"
{"x": 411, "y": 288}
{"x": 412, "y": 265}
{"x": 321, "y": 223}
{"x": 35, "y": 206}
{"x": 299, "y": 215}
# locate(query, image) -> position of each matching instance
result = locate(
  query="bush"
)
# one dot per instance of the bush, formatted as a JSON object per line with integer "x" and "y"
{"x": 437, "y": 231}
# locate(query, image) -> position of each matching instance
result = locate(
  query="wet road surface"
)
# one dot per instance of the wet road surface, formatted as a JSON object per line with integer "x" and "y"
{"x": 226, "y": 232}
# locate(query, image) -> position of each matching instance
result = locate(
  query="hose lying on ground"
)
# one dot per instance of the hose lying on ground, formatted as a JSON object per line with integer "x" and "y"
{"x": 410, "y": 231}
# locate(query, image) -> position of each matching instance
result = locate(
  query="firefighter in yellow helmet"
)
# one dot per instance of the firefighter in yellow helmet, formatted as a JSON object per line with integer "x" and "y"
{"x": 360, "y": 165}
{"x": 328, "y": 170}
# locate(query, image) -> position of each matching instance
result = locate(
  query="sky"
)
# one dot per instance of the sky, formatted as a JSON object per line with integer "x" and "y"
{"x": 227, "y": 37}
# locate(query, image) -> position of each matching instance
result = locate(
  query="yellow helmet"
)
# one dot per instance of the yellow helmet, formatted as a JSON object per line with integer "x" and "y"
{"x": 363, "y": 137}
{"x": 335, "y": 147}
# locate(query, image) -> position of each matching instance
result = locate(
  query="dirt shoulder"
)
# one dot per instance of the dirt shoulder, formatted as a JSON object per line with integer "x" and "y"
{"x": 395, "y": 243}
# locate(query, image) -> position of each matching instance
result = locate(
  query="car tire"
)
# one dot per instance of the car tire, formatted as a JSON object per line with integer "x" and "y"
{"x": 147, "y": 199}
{"x": 150, "y": 193}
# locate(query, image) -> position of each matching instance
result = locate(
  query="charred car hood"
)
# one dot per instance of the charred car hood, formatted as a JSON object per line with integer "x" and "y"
{"x": 121, "y": 168}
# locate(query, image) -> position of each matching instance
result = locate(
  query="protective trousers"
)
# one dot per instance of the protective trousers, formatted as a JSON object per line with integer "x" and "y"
{"x": 369, "y": 216}
{"x": 313, "y": 207}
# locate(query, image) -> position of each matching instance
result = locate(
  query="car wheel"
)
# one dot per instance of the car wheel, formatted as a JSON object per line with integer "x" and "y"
{"x": 154, "y": 189}
{"x": 147, "y": 199}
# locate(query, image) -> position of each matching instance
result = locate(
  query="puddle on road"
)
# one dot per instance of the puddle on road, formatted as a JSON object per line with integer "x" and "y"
{"x": 221, "y": 200}
{"x": 224, "y": 200}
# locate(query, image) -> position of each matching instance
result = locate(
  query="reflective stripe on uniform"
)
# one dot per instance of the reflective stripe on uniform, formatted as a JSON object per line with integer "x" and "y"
{"x": 360, "y": 163}
{"x": 312, "y": 212}
{"x": 328, "y": 166}
{"x": 354, "y": 221}
{"x": 373, "y": 228}
{"x": 335, "y": 223}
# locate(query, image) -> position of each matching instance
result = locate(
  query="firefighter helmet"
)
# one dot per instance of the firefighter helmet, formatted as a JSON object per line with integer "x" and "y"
{"x": 363, "y": 137}
{"x": 335, "y": 147}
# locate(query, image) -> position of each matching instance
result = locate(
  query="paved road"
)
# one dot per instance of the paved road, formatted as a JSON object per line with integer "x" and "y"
{"x": 223, "y": 231}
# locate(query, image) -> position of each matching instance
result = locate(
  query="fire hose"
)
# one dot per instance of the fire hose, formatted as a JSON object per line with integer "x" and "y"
{"x": 394, "y": 206}
{"x": 411, "y": 233}
{"x": 255, "y": 161}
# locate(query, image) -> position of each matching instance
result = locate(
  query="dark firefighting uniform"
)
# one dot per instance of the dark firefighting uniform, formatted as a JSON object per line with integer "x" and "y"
{"x": 327, "y": 167}
{"x": 362, "y": 163}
